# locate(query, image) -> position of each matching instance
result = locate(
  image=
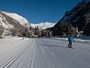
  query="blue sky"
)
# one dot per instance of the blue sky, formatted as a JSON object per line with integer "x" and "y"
{"x": 37, "y": 11}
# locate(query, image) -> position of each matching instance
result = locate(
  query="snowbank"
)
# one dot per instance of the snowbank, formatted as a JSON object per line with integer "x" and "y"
{"x": 13, "y": 38}
{"x": 84, "y": 40}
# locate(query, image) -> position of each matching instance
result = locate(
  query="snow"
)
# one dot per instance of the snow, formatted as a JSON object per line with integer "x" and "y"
{"x": 7, "y": 26}
{"x": 4, "y": 23}
{"x": 83, "y": 40}
{"x": 12, "y": 38}
{"x": 43, "y": 25}
{"x": 17, "y": 17}
{"x": 42, "y": 53}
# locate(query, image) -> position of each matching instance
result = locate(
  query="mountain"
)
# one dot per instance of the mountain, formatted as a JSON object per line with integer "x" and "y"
{"x": 78, "y": 17}
{"x": 17, "y": 17}
{"x": 43, "y": 25}
{"x": 12, "y": 23}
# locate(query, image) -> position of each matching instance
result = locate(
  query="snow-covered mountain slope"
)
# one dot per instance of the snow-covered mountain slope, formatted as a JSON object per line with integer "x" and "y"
{"x": 17, "y": 17}
{"x": 4, "y": 23}
{"x": 11, "y": 22}
{"x": 43, "y": 25}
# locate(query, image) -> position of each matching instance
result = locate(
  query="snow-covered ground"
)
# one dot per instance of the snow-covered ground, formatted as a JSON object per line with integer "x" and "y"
{"x": 42, "y": 53}
{"x": 11, "y": 38}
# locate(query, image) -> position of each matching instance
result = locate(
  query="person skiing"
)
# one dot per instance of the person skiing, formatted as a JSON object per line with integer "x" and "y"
{"x": 70, "y": 40}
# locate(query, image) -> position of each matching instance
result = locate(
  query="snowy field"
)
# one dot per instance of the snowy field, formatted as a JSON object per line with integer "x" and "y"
{"x": 42, "y": 53}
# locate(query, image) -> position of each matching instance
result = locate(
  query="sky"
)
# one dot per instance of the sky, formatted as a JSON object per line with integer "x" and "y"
{"x": 37, "y": 11}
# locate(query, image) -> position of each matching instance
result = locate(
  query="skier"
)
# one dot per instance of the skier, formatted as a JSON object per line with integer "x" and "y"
{"x": 70, "y": 40}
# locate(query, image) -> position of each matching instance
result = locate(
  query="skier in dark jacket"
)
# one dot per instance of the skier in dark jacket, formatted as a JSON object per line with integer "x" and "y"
{"x": 70, "y": 39}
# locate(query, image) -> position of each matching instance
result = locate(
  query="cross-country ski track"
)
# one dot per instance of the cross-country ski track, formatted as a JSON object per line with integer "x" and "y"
{"x": 43, "y": 53}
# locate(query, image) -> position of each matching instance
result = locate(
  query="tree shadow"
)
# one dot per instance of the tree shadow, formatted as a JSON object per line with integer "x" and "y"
{"x": 86, "y": 38}
{"x": 54, "y": 46}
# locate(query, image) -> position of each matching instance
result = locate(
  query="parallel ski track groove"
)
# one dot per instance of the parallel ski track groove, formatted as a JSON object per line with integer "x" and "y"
{"x": 13, "y": 59}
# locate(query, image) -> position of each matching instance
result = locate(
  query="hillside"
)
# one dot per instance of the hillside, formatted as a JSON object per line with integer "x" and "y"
{"x": 12, "y": 24}
{"x": 79, "y": 17}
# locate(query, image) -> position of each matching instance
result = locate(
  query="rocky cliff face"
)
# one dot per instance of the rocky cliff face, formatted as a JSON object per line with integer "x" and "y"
{"x": 79, "y": 17}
